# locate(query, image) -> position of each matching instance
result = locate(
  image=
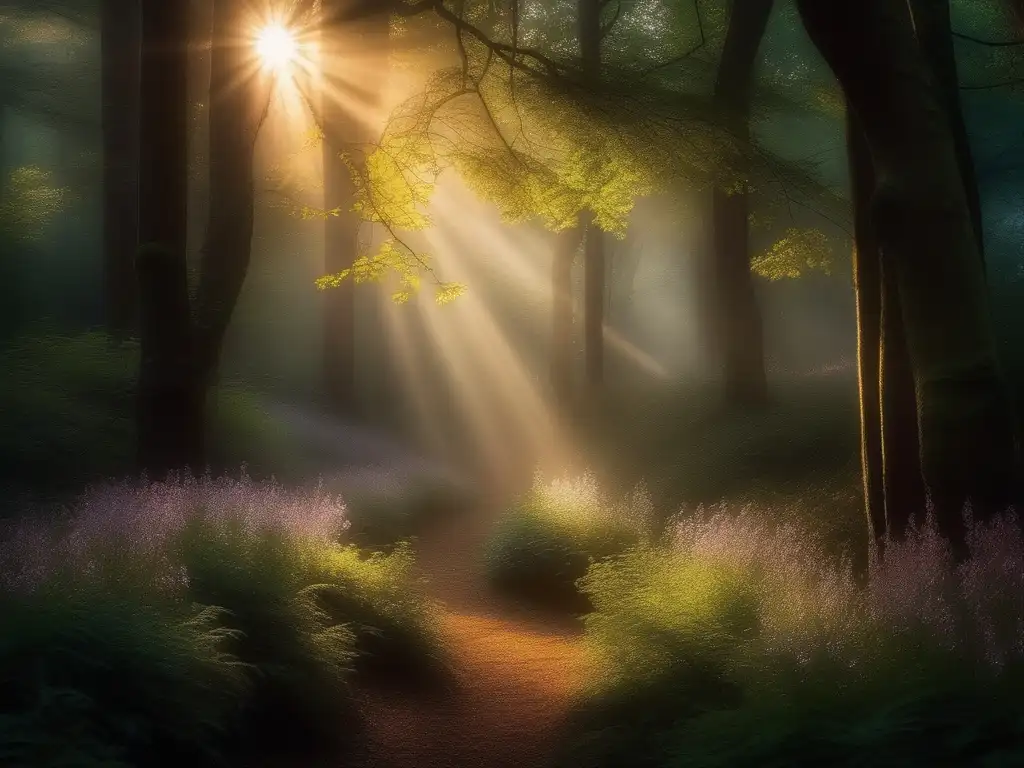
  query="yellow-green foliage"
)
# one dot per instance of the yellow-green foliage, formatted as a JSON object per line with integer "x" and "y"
{"x": 546, "y": 541}
{"x": 30, "y": 202}
{"x": 798, "y": 251}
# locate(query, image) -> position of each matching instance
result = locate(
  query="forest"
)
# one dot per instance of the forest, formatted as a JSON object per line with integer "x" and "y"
{"x": 511, "y": 383}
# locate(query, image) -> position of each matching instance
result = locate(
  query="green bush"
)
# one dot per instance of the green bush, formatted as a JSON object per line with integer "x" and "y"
{"x": 293, "y": 620}
{"x": 87, "y": 679}
{"x": 548, "y": 539}
{"x": 745, "y": 645}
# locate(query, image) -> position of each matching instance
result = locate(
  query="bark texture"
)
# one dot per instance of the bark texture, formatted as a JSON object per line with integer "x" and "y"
{"x": 738, "y": 323}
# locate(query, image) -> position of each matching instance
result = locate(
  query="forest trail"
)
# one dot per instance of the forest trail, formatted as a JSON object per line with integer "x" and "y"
{"x": 515, "y": 670}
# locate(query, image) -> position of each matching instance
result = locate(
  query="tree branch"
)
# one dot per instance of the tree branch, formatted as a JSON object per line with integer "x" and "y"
{"x": 683, "y": 56}
{"x": 607, "y": 28}
{"x": 989, "y": 43}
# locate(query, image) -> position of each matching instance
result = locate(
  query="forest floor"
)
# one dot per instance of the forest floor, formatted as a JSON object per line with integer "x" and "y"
{"x": 515, "y": 670}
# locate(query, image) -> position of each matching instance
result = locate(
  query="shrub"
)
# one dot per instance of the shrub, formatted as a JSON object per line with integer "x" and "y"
{"x": 547, "y": 540}
{"x": 91, "y": 675}
{"x": 294, "y": 607}
{"x": 746, "y": 645}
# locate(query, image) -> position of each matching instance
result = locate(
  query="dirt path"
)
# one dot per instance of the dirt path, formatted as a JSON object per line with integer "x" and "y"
{"x": 515, "y": 671}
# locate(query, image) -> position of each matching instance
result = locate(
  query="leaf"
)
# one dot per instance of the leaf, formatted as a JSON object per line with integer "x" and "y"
{"x": 798, "y": 251}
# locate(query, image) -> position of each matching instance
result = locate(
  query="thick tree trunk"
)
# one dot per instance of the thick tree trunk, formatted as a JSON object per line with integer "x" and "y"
{"x": 901, "y": 449}
{"x": 180, "y": 354}
{"x": 935, "y": 33}
{"x": 120, "y": 31}
{"x": 236, "y": 114}
{"x": 566, "y": 245}
{"x": 170, "y": 412}
{"x": 868, "y": 291}
{"x": 739, "y": 331}
{"x": 893, "y": 486}
{"x": 345, "y": 24}
{"x": 924, "y": 230}
{"x": 589, "y": 18}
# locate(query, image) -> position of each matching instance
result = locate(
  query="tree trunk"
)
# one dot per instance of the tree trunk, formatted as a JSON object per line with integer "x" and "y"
{"x": 924, "y": 229}
{"x": 901, "y": 449}
{"x": 345, "y": 132}
{"x": 868, "y": 291}
{"x": 893, "y": 486}
{"x": 236, "y": 114}
{"x": 589, "y": 19}
{"x": 566, "y": 245}
{"x": 738, "y": 322}
{"x": 179, "y": 354}
{"x": 593, "y": 301}
{"x": 170, "y": 408}
{"x": 120, "y": 31}
{"x": 935, "y": 33}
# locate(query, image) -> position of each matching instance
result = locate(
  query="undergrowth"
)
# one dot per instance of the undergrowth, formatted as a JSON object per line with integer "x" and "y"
{"x": 745, "y": 643}
{"x": 546, "y": 541}
{"x": 59, "y": 391}
{"x": 195, "y": 620}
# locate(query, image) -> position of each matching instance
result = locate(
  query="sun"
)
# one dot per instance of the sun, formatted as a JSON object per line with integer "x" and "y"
{"x": 276, "y": 46}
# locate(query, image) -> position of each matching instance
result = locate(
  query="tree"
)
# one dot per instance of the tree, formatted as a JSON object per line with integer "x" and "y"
{"x": 346, "y": 26}
{"x": 120, "y": 118}
{"x": 181, "y": 343}
{"x": 934, "y": 33}
{"x": 922, "y": 221}
{"x": 737, "y": 321}
{"x": 591, "y": 34}
{"x": 167, "y": 407}
{"x": 891, "y": 468}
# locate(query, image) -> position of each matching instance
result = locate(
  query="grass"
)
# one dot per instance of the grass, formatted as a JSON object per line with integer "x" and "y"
{"x": 744, "y": 642}
{"x": 198, "y": 620}
{"x": 546, "y": 541}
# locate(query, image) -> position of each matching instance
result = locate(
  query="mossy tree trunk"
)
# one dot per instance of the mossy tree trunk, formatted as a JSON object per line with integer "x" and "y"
{"x": 120, "y": 31}
{"x": 922, "y": 221}
{"x": 737, "y": 321}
